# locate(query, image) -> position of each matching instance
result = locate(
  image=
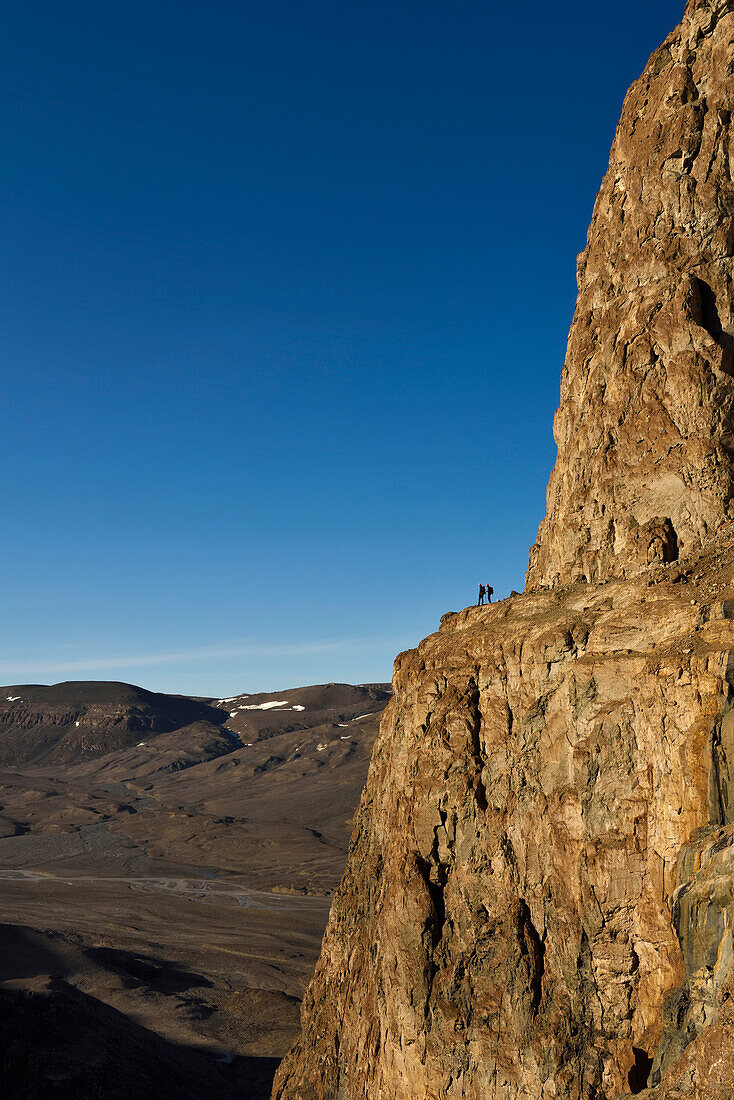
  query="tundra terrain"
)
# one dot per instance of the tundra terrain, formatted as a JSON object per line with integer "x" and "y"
{"x": 167, "y": 866}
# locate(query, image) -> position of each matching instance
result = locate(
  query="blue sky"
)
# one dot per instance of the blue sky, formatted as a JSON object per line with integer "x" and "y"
{"x": 285, "y": 295}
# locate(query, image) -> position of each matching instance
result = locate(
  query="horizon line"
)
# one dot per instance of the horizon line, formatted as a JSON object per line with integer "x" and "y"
{"x": 198, "y": 653}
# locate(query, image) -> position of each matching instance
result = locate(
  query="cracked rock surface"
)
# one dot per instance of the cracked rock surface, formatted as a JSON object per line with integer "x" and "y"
{"x": 644, "y": 430}
{"x": 538, "y": 896}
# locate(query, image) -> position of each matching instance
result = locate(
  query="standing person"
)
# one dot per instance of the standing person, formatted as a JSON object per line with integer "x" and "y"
{"x": 490, "y": 593}
{"x": 480, "y": 601}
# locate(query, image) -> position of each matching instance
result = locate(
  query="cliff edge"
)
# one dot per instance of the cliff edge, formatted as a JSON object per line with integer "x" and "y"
{"x": 539, "y": 896}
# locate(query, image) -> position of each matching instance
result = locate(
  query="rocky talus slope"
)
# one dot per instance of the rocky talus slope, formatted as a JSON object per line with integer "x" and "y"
{"x": 539, "y": 897}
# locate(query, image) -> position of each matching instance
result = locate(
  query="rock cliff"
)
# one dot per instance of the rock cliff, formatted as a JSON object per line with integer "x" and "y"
{"x": 644, "y": 429}
{"x": 538, "y": 901}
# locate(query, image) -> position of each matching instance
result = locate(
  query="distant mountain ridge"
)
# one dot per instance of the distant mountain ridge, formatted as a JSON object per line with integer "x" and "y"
{"x": 262, "y": 784}
{"x": 81, "y": 720}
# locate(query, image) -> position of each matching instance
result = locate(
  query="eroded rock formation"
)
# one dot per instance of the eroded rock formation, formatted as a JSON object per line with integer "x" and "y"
{"x": 538, "y": 896}
{"x": 644, "y": 429}
{"x": 538, "y": 901}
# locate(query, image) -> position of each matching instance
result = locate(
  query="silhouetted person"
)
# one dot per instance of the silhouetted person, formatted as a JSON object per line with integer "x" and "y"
{"x": 490, "y": 593}
{"x": 480, "y": 601}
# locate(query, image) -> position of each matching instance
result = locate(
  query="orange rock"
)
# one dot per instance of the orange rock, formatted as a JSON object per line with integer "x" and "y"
{"x": 644, "y": 429}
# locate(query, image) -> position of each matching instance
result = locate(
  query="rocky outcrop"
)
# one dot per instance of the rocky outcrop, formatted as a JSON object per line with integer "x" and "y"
{"x": 644, "y": 429}
{"x": 538, "y": 902}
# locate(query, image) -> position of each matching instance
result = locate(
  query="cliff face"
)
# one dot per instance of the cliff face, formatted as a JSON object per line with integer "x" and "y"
{"x": 538, "y": 896}
{"x": 538, "y": 901}
{"x": 644, "y": 429}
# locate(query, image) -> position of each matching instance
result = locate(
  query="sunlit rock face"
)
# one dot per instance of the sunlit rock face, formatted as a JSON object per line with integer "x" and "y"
{"x": 644, "y": 429}
{"x": 538, "y": 899}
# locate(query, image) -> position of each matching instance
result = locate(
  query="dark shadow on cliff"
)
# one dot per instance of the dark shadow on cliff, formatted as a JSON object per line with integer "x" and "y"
{"x": 639, "y": 1074}
{"x": 710, "y": 320}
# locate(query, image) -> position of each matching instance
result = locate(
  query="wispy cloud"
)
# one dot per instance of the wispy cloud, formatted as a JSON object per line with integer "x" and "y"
{"x": 14, "y": 671}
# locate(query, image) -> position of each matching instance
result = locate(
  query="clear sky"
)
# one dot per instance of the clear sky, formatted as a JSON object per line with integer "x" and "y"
{"x": 286, "y": 287}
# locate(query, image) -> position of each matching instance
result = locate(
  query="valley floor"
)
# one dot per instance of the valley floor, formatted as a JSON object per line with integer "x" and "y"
{"x": 159, "y": 920}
